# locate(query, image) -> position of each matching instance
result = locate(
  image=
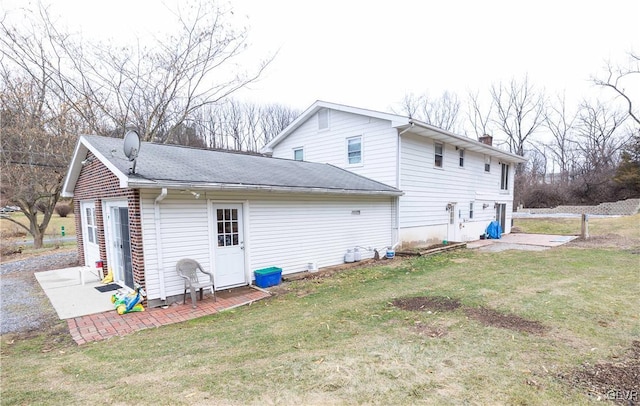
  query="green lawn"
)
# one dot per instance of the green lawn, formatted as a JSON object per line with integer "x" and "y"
{"x": 11, "y": 230}
{"x": 626, "y": 226}
{"x": 340, "y": 340}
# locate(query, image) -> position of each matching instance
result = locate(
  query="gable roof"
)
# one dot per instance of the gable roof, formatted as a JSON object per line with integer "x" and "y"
{"x": 395, "y": 119}
{"x": 174, "y": 167}
{"x": 401, "y": 123}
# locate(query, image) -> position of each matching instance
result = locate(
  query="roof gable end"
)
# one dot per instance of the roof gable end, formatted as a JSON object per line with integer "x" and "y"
{"x": 309, "y": 113}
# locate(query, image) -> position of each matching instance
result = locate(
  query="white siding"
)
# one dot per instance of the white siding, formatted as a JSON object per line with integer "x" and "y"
{"x": 423, "y": 214}
{"x": 379, "y": 144}
{"x": 287, "y": 231}
{"x": 184, "y": 232}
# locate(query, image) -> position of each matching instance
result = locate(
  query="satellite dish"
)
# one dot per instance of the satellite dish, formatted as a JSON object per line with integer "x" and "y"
{"x": 132, "y": 147}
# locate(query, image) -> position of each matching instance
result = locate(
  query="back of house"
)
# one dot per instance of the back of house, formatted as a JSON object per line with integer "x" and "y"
{"x": 453, "y": 186}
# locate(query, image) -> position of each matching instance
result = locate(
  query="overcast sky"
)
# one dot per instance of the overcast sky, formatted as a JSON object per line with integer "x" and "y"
{"x": 371, "y": 53}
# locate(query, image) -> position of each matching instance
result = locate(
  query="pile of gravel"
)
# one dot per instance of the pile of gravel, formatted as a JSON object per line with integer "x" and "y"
{"x": 23, "y": 304}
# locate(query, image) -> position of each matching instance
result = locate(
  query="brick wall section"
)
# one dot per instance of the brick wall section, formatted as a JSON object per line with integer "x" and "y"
{"x": 96, "y": 182}
{"x": 621, "y": 208}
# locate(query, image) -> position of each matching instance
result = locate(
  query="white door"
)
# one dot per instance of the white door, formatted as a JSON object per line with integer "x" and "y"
{"x": 229, "y": 245}
{"x": 453, "y": 226}
{"x": 89, "y": 233}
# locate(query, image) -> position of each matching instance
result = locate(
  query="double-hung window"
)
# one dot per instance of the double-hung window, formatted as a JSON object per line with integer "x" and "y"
{"x": 504, "y": 176}
{"x": 461, "y": 157}
{"x": 487, "y": 163}
{"x": 439, "y": 155}
{"x": 354, "y": 150}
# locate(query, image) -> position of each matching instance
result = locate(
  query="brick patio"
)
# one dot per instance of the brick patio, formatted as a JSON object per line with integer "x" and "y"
{"x": 95, "y": 327}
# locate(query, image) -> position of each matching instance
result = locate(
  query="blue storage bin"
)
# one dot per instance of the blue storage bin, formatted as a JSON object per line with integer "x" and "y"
{"x": 268, "y": 276}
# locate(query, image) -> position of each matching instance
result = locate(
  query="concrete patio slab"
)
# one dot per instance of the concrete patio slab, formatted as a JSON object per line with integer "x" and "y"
{"x": 69, "y": 297}
{"x": 520, "y": 241}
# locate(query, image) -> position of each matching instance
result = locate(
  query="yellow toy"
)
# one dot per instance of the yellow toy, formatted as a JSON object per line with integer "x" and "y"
{"x": 109, "y": 277}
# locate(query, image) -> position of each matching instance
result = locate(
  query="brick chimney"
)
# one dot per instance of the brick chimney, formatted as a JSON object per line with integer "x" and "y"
{"x": 486, "y": 139}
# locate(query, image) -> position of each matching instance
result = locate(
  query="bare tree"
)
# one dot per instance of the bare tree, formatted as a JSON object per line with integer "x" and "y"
{"x": 561, "y": 125}
{"x": 155, "y": 87}
{"x": 480, "y": 120}
{"x": 519, "y": 112}
{"x": 34, "y": 150}
{"x": 410, "y": 105}
{"x": 274, "y": 118}
{"x": 619, "y": 77}
{"x": 598, "y": 136}
{"x": 242, "y": 126}
{"x": 441, "y": 112}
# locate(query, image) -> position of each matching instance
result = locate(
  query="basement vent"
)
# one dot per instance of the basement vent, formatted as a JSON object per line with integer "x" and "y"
{"x": 355, "y": 212}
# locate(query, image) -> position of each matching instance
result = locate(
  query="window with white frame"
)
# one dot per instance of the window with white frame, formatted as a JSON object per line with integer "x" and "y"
{"x": 439, "y": 154}
{"x": 487, "y": 163}
{"x": 504, "y": 176}
{"x": 354, "y": 150}
{"x": 298, "y": 154}
{"x": 461, "y": 157}
{"x": 470, "y": 210}
{"x": 92, "y": 229}
{"x": 323, "y": 119}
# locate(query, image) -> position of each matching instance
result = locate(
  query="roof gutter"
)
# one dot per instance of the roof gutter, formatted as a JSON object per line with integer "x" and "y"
{"x": 156, "y": 218}
{"x": 154, "y": 184}
{"x": 511, "y": 156}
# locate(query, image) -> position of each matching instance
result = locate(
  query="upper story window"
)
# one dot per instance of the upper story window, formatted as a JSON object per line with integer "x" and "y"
{"x": 461, "y": 158}
{"x": 439, "y": 155}
{"x": 504, "y": 177}
{"x": 354, "y": 150}
{"x": 298, "y": 154}
{"x": 470, "y": 210}
{"x": 487, "y": 163}
{"x": 323, "y": 119}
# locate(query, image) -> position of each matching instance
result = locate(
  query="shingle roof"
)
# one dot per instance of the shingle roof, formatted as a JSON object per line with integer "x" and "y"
{"x": 171, "y": 165}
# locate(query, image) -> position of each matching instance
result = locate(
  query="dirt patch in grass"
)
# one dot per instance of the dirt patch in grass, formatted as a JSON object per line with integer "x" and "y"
{"x": 427, "y": 303}
{"x": 493, "y": 318}
{"x": 610, "y": 240}
{"x": 619, "y": 381}
{"x": 488, "y": 317}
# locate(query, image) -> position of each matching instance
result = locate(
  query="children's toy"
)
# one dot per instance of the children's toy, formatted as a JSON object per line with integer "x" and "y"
{"x": 131, "y": 302}
{"x": 109, "y": 277}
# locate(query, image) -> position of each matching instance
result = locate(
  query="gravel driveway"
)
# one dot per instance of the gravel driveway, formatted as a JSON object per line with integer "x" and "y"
{"x": 23, "y": 305}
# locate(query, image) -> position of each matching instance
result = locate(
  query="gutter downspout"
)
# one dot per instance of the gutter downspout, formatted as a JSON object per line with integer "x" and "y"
{"x": 156, "y": 218}
{"x": 398, "y": 179}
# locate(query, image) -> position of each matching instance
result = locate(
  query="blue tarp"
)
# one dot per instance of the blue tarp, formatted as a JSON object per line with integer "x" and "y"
{"x": 494, "y": 231}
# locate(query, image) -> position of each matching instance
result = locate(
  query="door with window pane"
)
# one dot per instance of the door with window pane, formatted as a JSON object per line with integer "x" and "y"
{"x": 122, "y": 245}
{"x": 89, "y": 233}
{"x": 229, "y": 245}
{"x": 501, "y": 215}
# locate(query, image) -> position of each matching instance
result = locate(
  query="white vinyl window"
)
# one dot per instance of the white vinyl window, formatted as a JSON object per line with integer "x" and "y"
{"x": 323, "y": 119}
{"x": 461, "y": 157}
{"x": 92, "y": 229}
{"x": 504, "y": 177}
{"x": 439, "y": 154}
{"x": 354, "y": 150}
{"x": 298, "y": 154}
{"x": 470, "y": 210}
{"x": 487, "y": 163}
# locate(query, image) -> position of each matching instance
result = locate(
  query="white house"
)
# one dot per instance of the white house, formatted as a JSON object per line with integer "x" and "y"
{"x": 234, "y": 213}
{"x": 453, "y": 186}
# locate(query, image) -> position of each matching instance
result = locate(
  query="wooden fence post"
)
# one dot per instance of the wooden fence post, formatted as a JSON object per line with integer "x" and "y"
{"x": 584, "y": 229}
